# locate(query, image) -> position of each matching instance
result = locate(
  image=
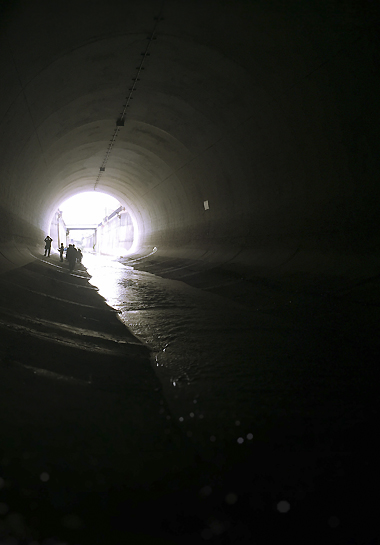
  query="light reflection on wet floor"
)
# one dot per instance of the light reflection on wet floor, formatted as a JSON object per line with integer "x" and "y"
{"x": 217, "y": 361}
{"x": 233, "y": 373}
{"x": 229, "y": 373}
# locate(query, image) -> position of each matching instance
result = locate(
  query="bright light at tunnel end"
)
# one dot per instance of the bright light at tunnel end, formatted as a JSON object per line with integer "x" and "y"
{"x": 87, "y": 208}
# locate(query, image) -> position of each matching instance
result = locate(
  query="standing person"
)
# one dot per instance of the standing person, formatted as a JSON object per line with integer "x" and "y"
{"x": 79, "y": 255}
{"x": 61, "y": 249}
{"x": 71, "y": 255}
{"x": 48, "y": 242}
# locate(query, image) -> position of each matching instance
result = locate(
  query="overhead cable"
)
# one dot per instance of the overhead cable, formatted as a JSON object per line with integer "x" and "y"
{"x": 120, "y": 120}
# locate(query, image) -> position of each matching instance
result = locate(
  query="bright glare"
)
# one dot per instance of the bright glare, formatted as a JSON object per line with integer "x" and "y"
{"x": 86, "y": 208}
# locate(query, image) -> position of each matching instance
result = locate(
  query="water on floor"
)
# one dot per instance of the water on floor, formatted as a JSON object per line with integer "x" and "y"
{"x": 290, "y": 377}
{"x": 228, "y": 371}
{"x": 203, "y": 347}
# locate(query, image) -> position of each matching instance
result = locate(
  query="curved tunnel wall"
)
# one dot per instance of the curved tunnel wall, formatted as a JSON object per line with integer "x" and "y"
{"x": 269, "y": 111}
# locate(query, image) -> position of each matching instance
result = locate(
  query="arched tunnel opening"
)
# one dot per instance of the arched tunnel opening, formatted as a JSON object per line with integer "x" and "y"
{"x": 215, "y": 376}
{"x": 95, "y": 221}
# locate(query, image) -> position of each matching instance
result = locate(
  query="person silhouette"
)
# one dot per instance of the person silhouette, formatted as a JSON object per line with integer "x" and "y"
{"x": 61, "y": 249}
{"x": 71, "y": 255}
{"x": 48, "y": 242}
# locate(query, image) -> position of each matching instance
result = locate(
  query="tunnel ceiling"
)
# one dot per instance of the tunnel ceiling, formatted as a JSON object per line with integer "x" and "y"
{"x": 245, "y": 104}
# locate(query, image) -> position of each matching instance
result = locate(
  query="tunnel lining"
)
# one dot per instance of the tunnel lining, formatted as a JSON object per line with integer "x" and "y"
{"x": 285, "y": 115}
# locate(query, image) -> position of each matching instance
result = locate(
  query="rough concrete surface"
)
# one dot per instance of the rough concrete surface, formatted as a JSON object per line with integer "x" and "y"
{"x": 266, "y": 111}
{"x": 81, "y": 409}
{"x": 89, "y": 453}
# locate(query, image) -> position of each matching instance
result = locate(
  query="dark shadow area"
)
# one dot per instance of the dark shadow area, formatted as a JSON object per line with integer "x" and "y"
{"x": 90, "y": 452}
{"x": 315, "y": 445}
{"x": 83, "y": 422}
{"x": 249, "y": 158}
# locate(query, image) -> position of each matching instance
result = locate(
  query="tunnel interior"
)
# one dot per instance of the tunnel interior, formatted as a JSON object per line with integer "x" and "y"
{"x": 265, "y": 112}
{"x": 242, "y": 139}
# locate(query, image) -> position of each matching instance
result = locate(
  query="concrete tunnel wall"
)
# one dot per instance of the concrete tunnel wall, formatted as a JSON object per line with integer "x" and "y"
{"x": 267, "y": 110}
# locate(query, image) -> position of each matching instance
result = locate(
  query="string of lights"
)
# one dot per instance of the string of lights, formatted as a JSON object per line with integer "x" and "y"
{"x": 120, "y": 120}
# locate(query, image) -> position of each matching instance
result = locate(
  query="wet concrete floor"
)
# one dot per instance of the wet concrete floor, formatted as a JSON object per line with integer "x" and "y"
{"x": 92, "y": 450}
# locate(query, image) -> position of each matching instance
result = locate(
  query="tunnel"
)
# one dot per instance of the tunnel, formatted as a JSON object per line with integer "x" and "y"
{"x": 265, "y": 113}
{"x": 241, "y": 137}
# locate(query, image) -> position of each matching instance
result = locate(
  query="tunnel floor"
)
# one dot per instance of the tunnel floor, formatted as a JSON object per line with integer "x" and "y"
{"x": 93, "y": 449}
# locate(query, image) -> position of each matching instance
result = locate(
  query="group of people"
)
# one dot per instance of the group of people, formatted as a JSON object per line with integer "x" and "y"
{"x": 73, "y": 255}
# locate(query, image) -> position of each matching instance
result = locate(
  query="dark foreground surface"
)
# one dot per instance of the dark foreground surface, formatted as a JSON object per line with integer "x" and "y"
{"x": 90, "y": 451}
